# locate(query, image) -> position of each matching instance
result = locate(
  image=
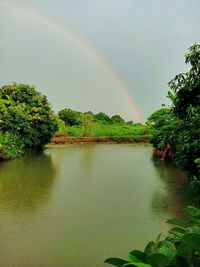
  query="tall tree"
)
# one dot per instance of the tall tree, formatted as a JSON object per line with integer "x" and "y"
{"x": 26, "y": 113}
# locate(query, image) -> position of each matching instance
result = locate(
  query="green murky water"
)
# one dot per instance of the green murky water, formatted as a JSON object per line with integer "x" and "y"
{"x": 74, "y": 206}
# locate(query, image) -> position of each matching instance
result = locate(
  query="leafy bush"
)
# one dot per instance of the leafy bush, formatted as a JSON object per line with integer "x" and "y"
{"x": 178, "y": 127}
{"x": 10, "y": 146}
{"x": 26, "y": 113}
{"x": 179, "y": 249}
{"x": 70, "y": 117}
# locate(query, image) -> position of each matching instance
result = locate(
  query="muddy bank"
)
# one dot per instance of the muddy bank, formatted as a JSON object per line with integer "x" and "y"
{"x": 62, "y": 139}
{"x": 165, "y": 153}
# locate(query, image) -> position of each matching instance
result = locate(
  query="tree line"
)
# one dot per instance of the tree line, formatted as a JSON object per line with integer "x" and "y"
{"x": 27, "y": 121}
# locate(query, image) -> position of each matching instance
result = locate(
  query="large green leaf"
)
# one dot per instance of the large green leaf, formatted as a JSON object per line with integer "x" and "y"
{"x": 157, "y": 260}
{"x": 178, "y": 223}
{"x": 197, "y": 161}
{"x": 116, "y": 261}
{"x": 138, "y": 255}
{"x": 177, "y": 231}
{"x": 193, "y": 212}
{"x": 168, "y": 252}
{"x": 189, "y": 246}
{"x": 150, "y": 248}
{"x": 193, "y": 239}
{"x": 137, "y": 264}
{"x": 167, "y": 248}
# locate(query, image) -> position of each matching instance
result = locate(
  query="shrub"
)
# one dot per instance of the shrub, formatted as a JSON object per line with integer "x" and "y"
{"x": 10, "y": 146}
{"x": 26, "y": 113}
{"x": 179, "y": 249}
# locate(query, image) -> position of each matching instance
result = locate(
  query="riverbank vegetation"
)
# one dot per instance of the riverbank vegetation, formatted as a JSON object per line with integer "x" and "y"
{"x": 77, "y": 124}
{"x": 27, "y": 121}
{"x": 176, "y": 129}
{"x": 176, "y": 136}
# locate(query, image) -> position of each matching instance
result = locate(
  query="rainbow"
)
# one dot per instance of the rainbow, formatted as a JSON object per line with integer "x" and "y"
{"x": 83, "y": 44}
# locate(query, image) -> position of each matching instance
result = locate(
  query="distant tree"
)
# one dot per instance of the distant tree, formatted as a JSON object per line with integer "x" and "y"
{"x": 89, "y": 112}
{"x": 70, "y": 117}
{"x": 87, "y": 123}
{"x": 130, "y": 122}
{"x": 103, "y": 118}
{"x": 27, "y": 113}
{"x": 117, "y": 119}
{"x": 61, "y": 125}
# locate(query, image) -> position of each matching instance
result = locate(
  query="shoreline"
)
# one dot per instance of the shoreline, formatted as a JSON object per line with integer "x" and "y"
{"x": 60, "y": 139}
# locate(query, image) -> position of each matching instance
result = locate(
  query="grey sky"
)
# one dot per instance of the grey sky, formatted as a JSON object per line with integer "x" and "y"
{"x": 108, "y": 45}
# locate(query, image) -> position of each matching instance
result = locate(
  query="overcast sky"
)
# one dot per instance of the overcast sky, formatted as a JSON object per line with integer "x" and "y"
{"x": 115, "y": 56}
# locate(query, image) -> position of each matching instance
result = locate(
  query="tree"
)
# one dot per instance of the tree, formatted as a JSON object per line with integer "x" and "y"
{"x": 26, "y": 113}
{"x": 117, "y": 119}
{"x": 130, "y": 122}
{"x": 160, "y": 117}
{"x": 180, "y": 125}
{"x": 103, "y": 118}
{"x": 162, "y": 125}
{"x": 185, "y": 87}
{"x": 70, "y": 117}
{"x": 185, "y": 95}
{"x": 87, "y": 123}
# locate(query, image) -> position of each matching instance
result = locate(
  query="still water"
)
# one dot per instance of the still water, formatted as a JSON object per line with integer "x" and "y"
{"x": 75, "y": 206}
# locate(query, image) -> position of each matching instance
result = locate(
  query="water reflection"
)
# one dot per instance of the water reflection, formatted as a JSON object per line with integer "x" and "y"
{"x": 171, "y": 197}
{"x": 88, "y": 156}
{"x": 25, "y": 183}
{"x": 105, "y": 201}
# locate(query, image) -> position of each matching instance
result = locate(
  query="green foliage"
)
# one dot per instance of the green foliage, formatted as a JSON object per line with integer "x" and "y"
{"x": 70, "y": 117}
{"x": 179, "y": 126}
{"x": 179, "y": 249}
{"x": 185, "y": 87}
{"x": 130, "y": 122}
{"x": 87, "y": 123}
{"x": 117, "y": 119}
{"x": 26, "y": 113}
{"x": 102, "y": 118}
{"x": 112, "y": 130}
{"x": 160, "y": 117}
{"x": 162, "y": 127}
{"x": 10, "y": 146}
{"x": 61, "y": 125}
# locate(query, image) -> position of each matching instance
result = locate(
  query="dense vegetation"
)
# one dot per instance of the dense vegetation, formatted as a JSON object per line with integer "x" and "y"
{"x": 176, "y": 130}
{"x": 75, "y": 123}
{"x": 176, "y": 133}
{"x": 27, "y": 121}
{"x": 180, "y": 249}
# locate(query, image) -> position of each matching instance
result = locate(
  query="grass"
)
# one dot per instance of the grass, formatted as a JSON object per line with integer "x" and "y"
{"x": 102, "y": 130}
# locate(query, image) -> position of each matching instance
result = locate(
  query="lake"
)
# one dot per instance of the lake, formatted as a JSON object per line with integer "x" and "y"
{"x": 75, "y": 206}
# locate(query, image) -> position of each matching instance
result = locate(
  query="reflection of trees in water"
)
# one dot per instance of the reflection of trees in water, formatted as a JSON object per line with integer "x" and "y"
{"x": 25, "y": 183}
{"x": 70, "y": 152}
{"x": 88, "y": 156}
{"x": 171, "y": 198}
